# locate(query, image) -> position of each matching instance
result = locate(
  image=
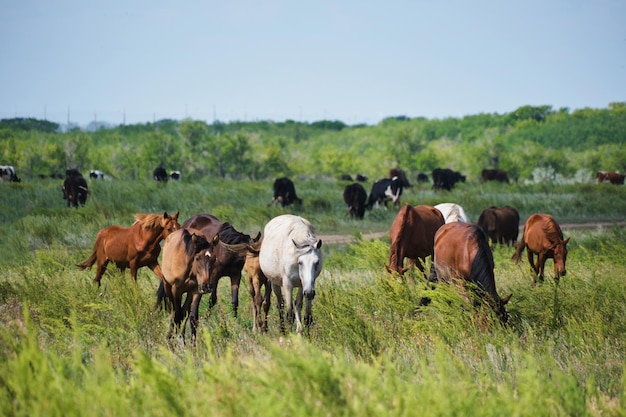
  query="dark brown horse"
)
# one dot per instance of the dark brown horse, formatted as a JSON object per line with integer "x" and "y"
{"x": 462, "y": 252}
{"x": 186, "y": 260}
{"x": 543, "y": 236}
{"x": 412, "y": 236}
{"x": 132, "y": 247}
{"x": 501, "y": 224}
{"x": 259, "y": 287}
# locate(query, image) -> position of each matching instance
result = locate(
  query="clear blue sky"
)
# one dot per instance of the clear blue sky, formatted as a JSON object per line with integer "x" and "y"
{"x": 355, "y": 61}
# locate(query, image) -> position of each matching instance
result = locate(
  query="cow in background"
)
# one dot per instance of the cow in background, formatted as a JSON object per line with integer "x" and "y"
{"x": 397, "y": 172}
{"x": 160, "y": 174}
{"x": 446, "y": 179}
{"x": 494, "y": 175}
{"x": 75, "y": 188}
{"x": 354, "y": 195}
{"x": 610, "y": 177}
{"x": 361, "y": 177}
{"x": 7, "y": 173}
{"x": 285, "y": 192}
{"x": 96, "y": 174}
{"x": 422, "y": 177}
{"x": 384, "y": 190}
{"x": 175, "y": 175}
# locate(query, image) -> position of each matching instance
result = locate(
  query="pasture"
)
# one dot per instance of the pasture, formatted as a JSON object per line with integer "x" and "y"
{"x": 70, "y": 348}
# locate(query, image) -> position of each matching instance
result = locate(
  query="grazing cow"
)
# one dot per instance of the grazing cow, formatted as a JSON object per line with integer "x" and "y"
{"x": 355, "y": 196}
{"x": 160, "y": 174}
{"x": 7, "y": 173}
{"x": 610, "y": 177}
{"x": 175, "y": 175}
{"x": 384, "y": 190}
{"x": 421, "y": 177}
{"x": 445, "y": 178}
{"x": 285, "y": 192}
{"x": 501, "y": 224}
{"x": 397, "y": 172}
{"x": 494, "y": 175}
{"x": 453, "y": 213}
{"x": 462, "y": 252}
{"x": 361, "y": 177}
{"x": 412, "y": 236}
{"x": 96, "y": 174}
{"x": 75, "y": 188}
{"x": 346, "y": 177}
{"x": 543, "y": 236}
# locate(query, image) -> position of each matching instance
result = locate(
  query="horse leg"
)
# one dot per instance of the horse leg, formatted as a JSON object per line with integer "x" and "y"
{"x": 280, "y": 304}
{"x": 298, "y": 309}
{"x": 541, "y": 263}
{"x": 234, "y": 292}
{"x": 254, "y": 290}
{"x": 266, "y": 305}
{"x": 308, "y": 313}
{"x": 533, "y": 267}
{"x": 193, "y": 314}
{"x": 100, "y": 269}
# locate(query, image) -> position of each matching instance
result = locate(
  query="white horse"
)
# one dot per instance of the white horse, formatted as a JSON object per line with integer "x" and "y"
{"x": 453, "y": 213}
{"x": 290, "y": 257}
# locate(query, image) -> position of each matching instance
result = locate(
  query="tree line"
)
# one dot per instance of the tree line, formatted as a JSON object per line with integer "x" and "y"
{"x": 519, "y": 142}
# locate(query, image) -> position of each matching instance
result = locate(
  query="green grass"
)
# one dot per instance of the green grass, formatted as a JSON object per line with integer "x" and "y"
{"x": 70, "y": 348}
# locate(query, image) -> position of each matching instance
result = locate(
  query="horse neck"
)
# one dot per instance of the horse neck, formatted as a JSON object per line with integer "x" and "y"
{"x": 482, "y": 269}
{"x": 152, "y": 235}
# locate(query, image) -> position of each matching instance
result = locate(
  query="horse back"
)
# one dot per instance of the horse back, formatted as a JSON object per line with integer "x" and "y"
{"x": 454, "y": 250}
{"x": 541, "y": 233}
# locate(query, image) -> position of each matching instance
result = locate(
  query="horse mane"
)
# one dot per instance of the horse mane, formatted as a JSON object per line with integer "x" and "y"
{"x": 553, "y": 232}
{"x": 229, "y": 235}
{"x": 303, "y": 232}
{"x": 481, "y": 271}
{"x": 191, "y": 247}
{"x": 149, "y": 221}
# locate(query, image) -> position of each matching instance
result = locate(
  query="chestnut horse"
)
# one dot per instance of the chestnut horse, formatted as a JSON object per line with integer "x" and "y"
{"x": 543, "y": 236}
{"x": 132, "y": 247}
{"x": 259, "y": 287}
{"x": 412, "y": 236}
{"x": 186, "y": 259}
{"x": 462, "y": 251}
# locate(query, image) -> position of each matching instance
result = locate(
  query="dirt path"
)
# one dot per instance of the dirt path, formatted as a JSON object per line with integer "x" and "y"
{"x": 343, "y": 239}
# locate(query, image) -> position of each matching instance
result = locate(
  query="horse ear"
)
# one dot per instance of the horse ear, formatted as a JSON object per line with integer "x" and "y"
{"x": 258, "y": 237}
{"x": 216, "y": 239}
{"x": 319, "y": 244}
{"x": 165, "y": 216}
{"x": 506, "y": 299}
{"x": 566, "y": 240}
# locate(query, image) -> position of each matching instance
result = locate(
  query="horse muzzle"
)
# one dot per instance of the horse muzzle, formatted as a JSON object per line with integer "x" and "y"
{"x": 205, "y": 288}
{"x": 310, "y": 294}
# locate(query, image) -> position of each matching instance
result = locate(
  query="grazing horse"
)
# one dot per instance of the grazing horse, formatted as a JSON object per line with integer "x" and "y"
{"x": 462, "y": 251}
{"x": 501, "y": 224}
{"x": 412, "y": 236}
{"x": 290, "y": 256}
{"x": 259, "y": 287}
{"x": 132, "y": 247}
{"x": 453, "y": 213}
{"x": 186, "y": 260}
{"x": 543, "y": 236}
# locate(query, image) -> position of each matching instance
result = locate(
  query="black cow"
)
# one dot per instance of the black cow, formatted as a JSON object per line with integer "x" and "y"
{"x": 361, "y": 177}
{"x": 384, "y": 190}
{"x": 346, "y": 177}
{"x": 494, "y": 175}
{"x": 355, "y": 196}
{"x": 160, "y": 174}
{"x": 421, "y": 177}
{"x": 285, "y": 192}
{"x": 445, "y": 178}
{"x": 7, "y": 173}
{"x": 75, "y": 188}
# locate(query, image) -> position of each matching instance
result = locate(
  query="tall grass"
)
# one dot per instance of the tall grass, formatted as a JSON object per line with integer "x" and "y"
{"x": 69, "y": 348}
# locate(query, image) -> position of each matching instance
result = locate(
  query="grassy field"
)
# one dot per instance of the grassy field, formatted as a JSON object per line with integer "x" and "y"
{"x": 69, "y": 348}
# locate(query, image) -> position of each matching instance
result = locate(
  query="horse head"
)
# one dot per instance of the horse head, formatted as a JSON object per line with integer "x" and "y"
{"x": 202, "y": 260}
{"x": 169, "y": 223}
{"x": 560, "y": 257}
{"x": 205, "y": 282}
{"x": 309, "y": 265}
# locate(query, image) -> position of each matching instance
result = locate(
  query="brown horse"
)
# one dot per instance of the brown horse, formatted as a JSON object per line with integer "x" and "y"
{"x": 132, "y": 247}
{"x": 462, "y": 252}
{"x": 543, "y": 236}
{"x": 186, "y": 259}
{"x": 501, "y": 224}
{"x": 412, "y": 236}
{"x": 259, "y": 287}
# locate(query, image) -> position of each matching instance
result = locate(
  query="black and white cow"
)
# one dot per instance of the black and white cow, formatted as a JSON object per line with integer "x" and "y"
{"x": 160, "y": 174}
{"x": 384, "y": 190}
{"x": 7, "y": 173}
{"x": 355, "y": 196}
{"x": 175, "y": 175}
{"x": 285, "y": 192}
{"x": 96, "y": 174}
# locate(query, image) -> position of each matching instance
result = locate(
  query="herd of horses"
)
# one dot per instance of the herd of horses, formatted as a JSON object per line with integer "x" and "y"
{"x": 286, "y": 256}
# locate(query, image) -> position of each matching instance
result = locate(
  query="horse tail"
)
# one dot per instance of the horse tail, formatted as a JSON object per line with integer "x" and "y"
{"x": 517, "y": 256}
{"x": 89, "y": 262}
{"x": 395, "y": 257}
